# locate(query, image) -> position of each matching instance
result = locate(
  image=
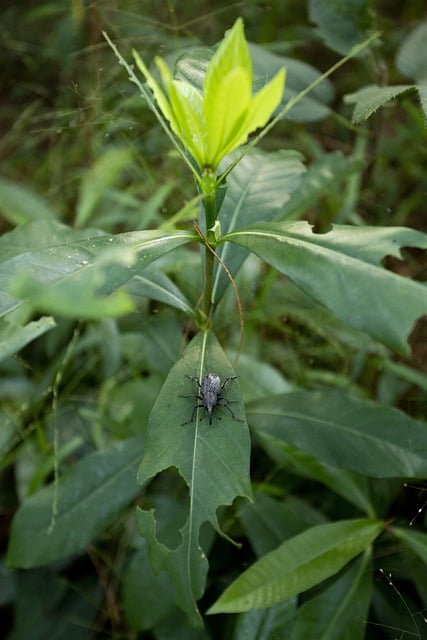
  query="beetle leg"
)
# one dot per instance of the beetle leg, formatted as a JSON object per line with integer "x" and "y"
{"x": 228, "y": 380}
{"x": 196, "y": 406}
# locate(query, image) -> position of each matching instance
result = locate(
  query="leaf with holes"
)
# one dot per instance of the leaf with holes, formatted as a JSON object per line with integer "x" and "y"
{"x": 342, "y": 270}
{"x": 212, "y": 459}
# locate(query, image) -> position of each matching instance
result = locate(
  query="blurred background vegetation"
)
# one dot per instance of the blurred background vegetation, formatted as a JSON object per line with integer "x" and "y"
{"x": 65, "y": 101}
{"x": 66, "y": 104}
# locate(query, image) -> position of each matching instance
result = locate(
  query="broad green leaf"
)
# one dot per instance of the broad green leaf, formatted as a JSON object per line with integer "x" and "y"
{"x": 411, "y": 59}
{"x": 80, "y": 278}
{"x": 212, "y": 459}
{"x": 100, "y": 177}
{"x": 342, "y": 25}
{"x": 91, "y": 495}
{"x": 266, "y": 624}
{"x": 344, "y": 432}
{"x": 13, "y": 338}
{"x": 155, "y": 285}
{"x": 257, "y": 188}
{"x": 340, "y": 611}
{"x": 342, "y": 270}
{"x": 258, "y": 378}
{"x": 268, "y": 522}
{"x": 370, "y": 98}
{"x": 324, "y": 176}
{"x": 39, "y": 234}
{"x": 350, "y": 486}
{"x": 298, "y": 564}
{"x": 414, "y": 540}
{"x": 20, "y": 204}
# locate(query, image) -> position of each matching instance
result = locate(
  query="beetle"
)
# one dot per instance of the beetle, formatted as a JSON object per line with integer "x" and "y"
{"x": 210, "y": 395}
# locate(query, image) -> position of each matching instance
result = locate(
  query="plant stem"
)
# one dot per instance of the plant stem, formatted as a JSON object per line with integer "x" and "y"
{"x": 210, "y": 217}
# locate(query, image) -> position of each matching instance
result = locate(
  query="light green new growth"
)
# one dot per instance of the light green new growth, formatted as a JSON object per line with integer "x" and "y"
{"x": 217, "y": 121}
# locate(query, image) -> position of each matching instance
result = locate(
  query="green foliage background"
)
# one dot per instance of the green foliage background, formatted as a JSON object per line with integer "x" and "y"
{"x": 93, "y": 198}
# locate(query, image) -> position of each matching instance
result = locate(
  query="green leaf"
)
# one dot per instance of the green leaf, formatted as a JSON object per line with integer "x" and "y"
{"x": 298, "y": 564}
{"x": 192, "y": 67}
{"x": 155, "y": 285}
{"x": 14, "y": 338}
{"x": 342, "y": 270}
{"x": 266, "y": 624}
{"x": 345, "y": 432}
{"x": 161, "y": 99}
{"x": 39, "y": 234}
{"x": 340, "y": 611}
{"x": 257, "y": 188}
{"x": 215, "y": 123}
{"x": 96, "y": 180}
{"x": 80, "y": 278}
{"x": 212, "y": 459}
{"x": 411, "y": 59}
{"x": 187, "y": 104}
{"x": 324, "y": 176}
{"x": 143, "y": 613}
{"x": 414, "y": 540}
{"x": 158, "y": 603}
{"x": 225, "y": 127}
{"x": 230, "y": 65}
{"x": 342, "y": 25}
{"x": 350, "y": 486}
{"x": 370, "y": 98}
{"x": 265, "y": 102}
{"x": 268, "y": 522}
{"x": 91, "y": 495}
{"x": 232, "y": 52}
{"x": 20, "y": 204}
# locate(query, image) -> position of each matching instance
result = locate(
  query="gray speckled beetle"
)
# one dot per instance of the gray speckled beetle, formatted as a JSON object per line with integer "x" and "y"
{"x": 209, "y": 395}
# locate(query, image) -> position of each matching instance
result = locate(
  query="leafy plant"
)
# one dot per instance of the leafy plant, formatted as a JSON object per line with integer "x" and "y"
{"x": 329, "y": 455}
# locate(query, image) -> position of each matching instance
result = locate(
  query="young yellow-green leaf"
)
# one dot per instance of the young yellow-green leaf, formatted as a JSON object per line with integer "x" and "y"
{"x": 212, "y": 124}
{"x": 265, "y": 102}
{"x": 225, "y": 113}
{"x": 187, "y": 104}
{"x": 160, "y": 97}
{"x": 298, "y": 564}
{"x": 233, "y": 52}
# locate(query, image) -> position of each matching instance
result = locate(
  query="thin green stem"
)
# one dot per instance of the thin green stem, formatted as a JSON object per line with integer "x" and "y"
{"x": 210, "y": 217}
